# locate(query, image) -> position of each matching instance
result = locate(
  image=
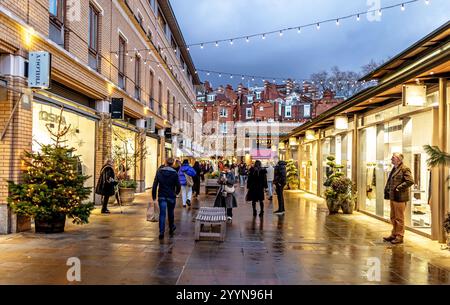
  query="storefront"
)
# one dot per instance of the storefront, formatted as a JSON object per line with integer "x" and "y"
{"x": 396, "y": 129}
{"x": 405, "y": 109}
{"x": 308, "y": 165}
{"x": 151, "y": 160}
{"x": 81, "y": 135}
{"x": 124, "y": 138}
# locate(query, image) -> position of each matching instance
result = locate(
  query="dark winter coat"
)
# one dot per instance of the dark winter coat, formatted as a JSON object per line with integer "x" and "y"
{"x": 196, "y": 178}
{"x": 229, "y": 201}
{"x": 398, "y": 184}
{"x": 256, "y": 183}
{"x": 280, "y": 174}
{"x": 185, "y": 169}
{"x": 167, "y": 183}
{"x": 106, "y": 182}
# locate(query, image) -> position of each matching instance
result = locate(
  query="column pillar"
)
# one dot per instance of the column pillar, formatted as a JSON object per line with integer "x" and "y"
{"x": 16, "y": 124}
{"x": 140, "y": 162}
{"x": 103, "y": 149}
{"x": 440, "y": 183}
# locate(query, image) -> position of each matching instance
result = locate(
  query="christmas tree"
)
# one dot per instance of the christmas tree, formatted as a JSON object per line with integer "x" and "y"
{"x": 52, "y": 185}
{"x": 292, "y": 175}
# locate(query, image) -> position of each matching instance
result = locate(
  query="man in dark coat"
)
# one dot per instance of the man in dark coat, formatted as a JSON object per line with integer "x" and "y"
{"x": 106, "y": 184}
{"x": 397, "y": 191}
{"x": 280, "y": 181}
{"x": 256, "y": 184}
{"x": 168, "y": 186}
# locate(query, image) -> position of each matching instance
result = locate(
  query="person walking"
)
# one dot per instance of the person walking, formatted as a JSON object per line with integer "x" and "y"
{"x": 256, "y": 183}
{"x": 106, "y": 185}
{"x": 243, "y": 173}
{"x": 196, "y": 178}
{"x": 279, "y": 181}
{"x": 168, "y": 186}
{"x": 270, "y": 177}
{"x": 186, "y": 174}
{"x": 397, "y": 191}
{"x": 225, "y": 196}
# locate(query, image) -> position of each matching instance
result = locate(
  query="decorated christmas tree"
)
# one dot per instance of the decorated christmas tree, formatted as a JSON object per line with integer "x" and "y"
{"x": 292, "y": 175}
{"x": 52, "y": 186}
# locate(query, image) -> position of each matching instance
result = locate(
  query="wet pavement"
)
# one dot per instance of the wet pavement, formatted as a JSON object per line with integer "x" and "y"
{"x": 304, "y": 246}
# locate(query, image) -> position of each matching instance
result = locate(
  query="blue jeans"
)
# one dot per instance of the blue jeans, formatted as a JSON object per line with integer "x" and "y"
{"x": 243, "y": 179}
{"x": 270, "y": 188}
{"x": 169, "y": 205}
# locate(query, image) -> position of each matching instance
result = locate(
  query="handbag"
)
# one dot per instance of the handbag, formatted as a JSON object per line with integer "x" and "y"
{"x": 229, "y": 189}
{"x": 152, "y": 212}
{"x": 189, "y": 180}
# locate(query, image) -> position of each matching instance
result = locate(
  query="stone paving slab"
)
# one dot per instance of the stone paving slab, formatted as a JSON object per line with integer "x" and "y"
{"x": 304, "y": 246}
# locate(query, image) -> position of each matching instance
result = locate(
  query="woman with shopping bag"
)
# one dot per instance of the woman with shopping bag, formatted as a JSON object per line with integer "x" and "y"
{"x": 225, "y": 197}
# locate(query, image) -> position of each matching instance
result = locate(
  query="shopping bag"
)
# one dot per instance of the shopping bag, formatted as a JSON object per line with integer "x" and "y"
{"x": 152, "y": 212}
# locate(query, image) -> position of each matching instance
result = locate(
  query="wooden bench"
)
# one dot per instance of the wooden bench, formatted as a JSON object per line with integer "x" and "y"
{"x": 210, "y": 217}
{"x": 211, "y": 185}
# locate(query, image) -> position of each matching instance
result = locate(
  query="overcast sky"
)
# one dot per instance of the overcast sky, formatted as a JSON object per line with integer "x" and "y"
{"x": 349, "y": 45}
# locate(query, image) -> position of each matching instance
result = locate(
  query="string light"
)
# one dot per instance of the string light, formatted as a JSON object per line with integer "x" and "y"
{"x": 299, "y": 30}
{"x": 337, "y": 20}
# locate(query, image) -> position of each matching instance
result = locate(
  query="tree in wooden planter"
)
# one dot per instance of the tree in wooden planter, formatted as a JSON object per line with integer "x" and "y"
{"x": 126, "y": 157}
{"x": 292, "y": 180}
{"x": 340, "y": 192}
{"x": 52, "y": 186}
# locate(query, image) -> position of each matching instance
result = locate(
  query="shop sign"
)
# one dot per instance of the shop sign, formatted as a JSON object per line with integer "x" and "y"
{"x": 117, "y": 108}
{"x": 414, "y": 95}
{"x": 265, "y": 143}
{"x": 39, "y": 70}
{"x": 293, "y": 141}
{"x": 51, "y": 118}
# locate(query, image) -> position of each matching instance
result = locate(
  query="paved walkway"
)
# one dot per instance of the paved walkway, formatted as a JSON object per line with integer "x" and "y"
{"x": 305, "y": 246}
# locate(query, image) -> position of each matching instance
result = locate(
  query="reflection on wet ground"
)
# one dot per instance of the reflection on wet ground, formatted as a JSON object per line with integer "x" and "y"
{"x": 304, "y": 246}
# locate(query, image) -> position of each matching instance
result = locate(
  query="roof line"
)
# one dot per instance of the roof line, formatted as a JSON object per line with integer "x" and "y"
{"x": 417, "y": 44}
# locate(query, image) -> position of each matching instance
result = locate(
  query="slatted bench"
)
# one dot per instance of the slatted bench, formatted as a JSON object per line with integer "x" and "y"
{"x": 209, "y": 217}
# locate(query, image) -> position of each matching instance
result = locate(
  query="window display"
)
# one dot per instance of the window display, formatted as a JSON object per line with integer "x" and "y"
{"x": 123, "y": 152}
{"x": 151, "y": 161}
{"x": 81, "y": 135}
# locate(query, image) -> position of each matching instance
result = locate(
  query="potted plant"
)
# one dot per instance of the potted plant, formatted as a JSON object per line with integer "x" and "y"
{"x": 446, "y": 225}
{"x": 52, "y": 188}
{"x": 293, "y": 181}
{"x": 340, "y": 189}
{"x": 211, "y": 181}
{"x": 127, "y": 189}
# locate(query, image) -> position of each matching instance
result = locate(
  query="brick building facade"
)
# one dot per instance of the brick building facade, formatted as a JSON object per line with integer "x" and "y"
{"x": 100, "y": 50}
{"x": 247, "y": 122}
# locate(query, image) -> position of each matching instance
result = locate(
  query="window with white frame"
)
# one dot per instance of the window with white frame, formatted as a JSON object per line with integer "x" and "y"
{"x": 211, "y": 98}
{"x": 280, "y": 109}
{"x": 288, "y": 111}
{"x": 249, "y": 113}
{"x": 249, "y": 99}
{"x": 223, "y": 128}
{"x": 223, "y": 112}
{"x": 261, "y": 108}
{"x": 307, "y": 111}
{"x": 258, "y": 95}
